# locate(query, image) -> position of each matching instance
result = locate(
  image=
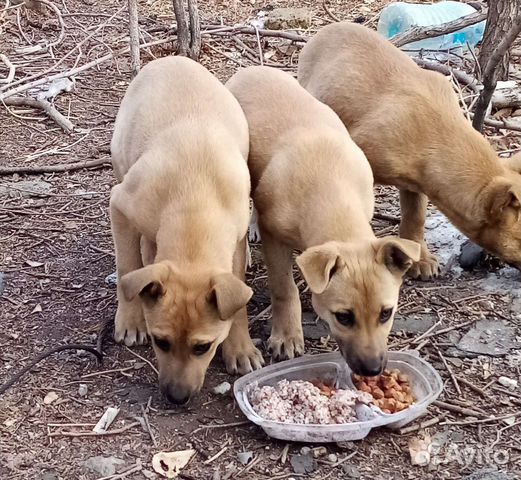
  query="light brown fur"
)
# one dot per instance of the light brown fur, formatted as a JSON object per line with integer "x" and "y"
{"x": 312, "y": 188}
{"x": 179, "y": 219}
{"x": 409, "y": 124}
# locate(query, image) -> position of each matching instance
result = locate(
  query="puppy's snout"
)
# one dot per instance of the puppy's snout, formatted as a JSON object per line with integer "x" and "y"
{"x": 176, "y": 394}
{"x": 368, "y": 366}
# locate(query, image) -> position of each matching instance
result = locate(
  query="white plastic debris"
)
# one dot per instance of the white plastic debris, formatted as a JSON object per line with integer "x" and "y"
{"x": 83, "y": 390}
{"x": 56, "y": 87}
{"x": 106, "y": 420}
{"x": 222, "y": 388}
{"x": 244, "y": 457}
{"x": 50, "y": 398}
{"x": 169, "y": 464}
{"x": 420, "y": 450}
{"x": 508, "y": 382}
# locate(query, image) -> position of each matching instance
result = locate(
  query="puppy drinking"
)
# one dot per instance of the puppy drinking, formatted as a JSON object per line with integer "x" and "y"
{"x": 179, "y": 219}
{"x": 409, "y": 125}
{"x": 312, "y": 188}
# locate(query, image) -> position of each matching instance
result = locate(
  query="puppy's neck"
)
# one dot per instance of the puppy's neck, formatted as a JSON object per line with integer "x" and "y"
{"x": 195, "y": 238}
{"x": 464, "y": 169}
{"x": 342, "y": 223}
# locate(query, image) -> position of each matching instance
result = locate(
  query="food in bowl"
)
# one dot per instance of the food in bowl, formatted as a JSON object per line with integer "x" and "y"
{"x": 303, "y": 402}
{"x": 392, "y": 391}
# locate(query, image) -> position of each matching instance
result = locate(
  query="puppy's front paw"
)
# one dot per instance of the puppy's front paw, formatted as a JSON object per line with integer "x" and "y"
{"x": 427, "y": 268}
{"x": 241, "y": 356}
{"x": 283, "y": 347}
{"x": 130, "y": 327}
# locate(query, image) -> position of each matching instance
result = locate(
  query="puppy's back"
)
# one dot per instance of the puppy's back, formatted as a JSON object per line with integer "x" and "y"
{"x": 168, "y": 92}
{"x": 275, "y": 105}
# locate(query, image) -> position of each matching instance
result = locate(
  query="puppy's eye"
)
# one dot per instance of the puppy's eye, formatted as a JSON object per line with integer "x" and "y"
{"x": 346, "y": 318}
{"x": 385, "y": 314}
{"x": 201, "y": 348}
{"x": 162, "y": 344}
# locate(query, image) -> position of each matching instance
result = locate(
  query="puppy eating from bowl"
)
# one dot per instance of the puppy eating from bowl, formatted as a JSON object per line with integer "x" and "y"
{"x": 312, "y": 188}
{"x": 179, "y": 217}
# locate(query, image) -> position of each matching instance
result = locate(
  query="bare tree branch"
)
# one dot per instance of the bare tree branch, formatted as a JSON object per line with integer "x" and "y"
{"x": 133, "y": 26}
{"x": 489, "y": 74}
{"x": 195, "y": 29}
{"x": 421, "y": 33}
{"x": 183, "y": 33}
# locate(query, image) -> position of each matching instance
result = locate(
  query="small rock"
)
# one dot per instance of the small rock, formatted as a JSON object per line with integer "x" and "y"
{"x": 488, "y": 474}
{"x": 245, "y": 457}
{"x": 346, "y": 445}
{"x": 83, "y": 390}
{"x": 287, "y": 18}
{"x": 105, "y": 466}
{"x": 256, "y": 341}
{"x": 25, "y": 188}
{"x": 351, "y": 471}
{"x": 319, "y": 452}
{"x": 49, "y": 476}
{"x": 507, "y": 382}
{"x": 332, "y": 458}
{"x": 50, "y": 397}
{"x": 112, "y": 279}
{"x": 303, "y": 464}
{"x": 414, "y": 324}
{"x": 470, "y": 255}
{"x": 222, "y": 388}
{"x": 305, "y": 450}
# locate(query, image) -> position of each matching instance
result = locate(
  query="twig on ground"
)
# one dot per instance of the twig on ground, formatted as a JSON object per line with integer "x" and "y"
{"x": 329, "y": 12}
{"x": 261, "y": 56}
{"x": 221, "y": 425}
{"x": 501, "y": 430}
{"x": 147, "y": 423}
{"x": 43, "y": 356}
{"x": 457, "y": 409}
{"x": 471, "y": 385}
{"x": 10, "y": 66}
{"x": 483, "y": 420}
{"x": 65, "y": 124}
{"x": 422, "y": 425}
{"x": 116, "y": 431}
{"x": 507, "y": 125}
{"x": 144, "y": 359}
{"x": 421, "y": 33}
{"x": 133, "y": 27}
{"x": 387, "y": 218}
{"x": 216, "y": 456}
{"x": 126, "y": 473}
{"x": 66, "y": 167}
{"x": 450, "y": 372}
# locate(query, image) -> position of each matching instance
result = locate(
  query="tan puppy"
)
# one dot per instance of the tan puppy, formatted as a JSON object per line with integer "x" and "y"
{"x": 179, "y": 149}
{"x": 409, "y": 124}
{"x": 313, "y": 191}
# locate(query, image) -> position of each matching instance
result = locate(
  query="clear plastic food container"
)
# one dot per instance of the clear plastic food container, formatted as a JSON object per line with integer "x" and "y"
{"x": 332, "y": 369}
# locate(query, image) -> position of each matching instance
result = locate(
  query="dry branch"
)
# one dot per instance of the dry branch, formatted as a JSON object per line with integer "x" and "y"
{"x": 421, "y": 33}
{"x": 183, "y": 33}
{"x": 195, "y": 29}
{"x": 133, "y": 27}
{"x": 10, "y": 66}
{"x": 66, "y": 167}
{"x": 490, "y": 76}
{"x": 462, "y": 77}
{"x": 44, "y": 105}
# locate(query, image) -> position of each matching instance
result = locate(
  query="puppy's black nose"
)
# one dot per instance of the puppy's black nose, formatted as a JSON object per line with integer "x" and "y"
{"x": 370, "y": 371}
{"x": 177, "y": 398}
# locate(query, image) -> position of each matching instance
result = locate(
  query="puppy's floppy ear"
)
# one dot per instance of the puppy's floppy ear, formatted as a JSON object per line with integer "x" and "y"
{"x": 148, "y": 281}
{"x": 318, "y": 264}
{"x": 502, "y": 194}
{"x": 397, "y": 254}
{"x": 228, "y": 294}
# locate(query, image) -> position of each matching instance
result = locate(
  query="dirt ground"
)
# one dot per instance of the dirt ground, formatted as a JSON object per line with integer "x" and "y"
{"x": 56, "y": 251}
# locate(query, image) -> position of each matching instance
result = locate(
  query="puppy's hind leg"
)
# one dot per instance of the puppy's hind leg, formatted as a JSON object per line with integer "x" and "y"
{"x": 130, "y": 327}
{"x": 239, "y": 353}
{"x": 287, "y": 337}
{"x": 412, "y": 227}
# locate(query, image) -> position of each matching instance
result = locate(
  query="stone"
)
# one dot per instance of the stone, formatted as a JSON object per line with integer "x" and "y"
{"x": 303, "y": 464}
{"x": 112, "y": 279}
{"x": 470, "y": 255}
{"x": 492, "y": 338}
{"x": 351, "y": 471}
{"x": 414, "y": 324}
{"x": 222, "y": 389}
{"x": 25, "y": 188}
{"x": 245, "y": 457}
{"x": 508, "y": 382}
{"x": 332, "y": 458}
{"x": 51, "y": 475}
{"x": 83, "y": 389}
{"x": 104, "y": 466}
{"x": 488, "y": 474}
{"x": 287, "y": 18}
